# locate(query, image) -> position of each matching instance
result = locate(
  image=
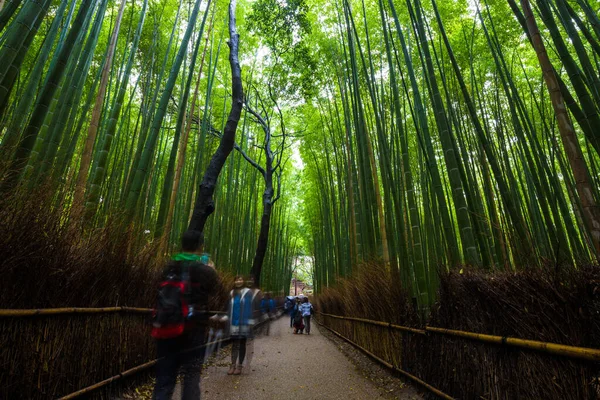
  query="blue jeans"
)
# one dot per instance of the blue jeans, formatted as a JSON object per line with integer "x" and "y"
{"x": 307, "y": 323}
{"x": 173, "y": 354}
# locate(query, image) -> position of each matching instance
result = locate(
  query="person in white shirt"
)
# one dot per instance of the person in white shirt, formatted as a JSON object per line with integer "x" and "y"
{"x": 307, "y": 310}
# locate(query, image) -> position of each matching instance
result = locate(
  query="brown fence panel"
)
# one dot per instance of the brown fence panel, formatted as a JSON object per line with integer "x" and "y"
{"x": 50, "y": 356}
{"x": 500, "y": 367}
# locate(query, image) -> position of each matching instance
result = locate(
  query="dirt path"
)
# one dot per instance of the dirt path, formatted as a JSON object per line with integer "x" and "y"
{"x": 285, "y": 366}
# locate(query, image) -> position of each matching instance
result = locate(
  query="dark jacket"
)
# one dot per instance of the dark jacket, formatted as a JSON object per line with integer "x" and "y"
{"x": 204, "y": 280}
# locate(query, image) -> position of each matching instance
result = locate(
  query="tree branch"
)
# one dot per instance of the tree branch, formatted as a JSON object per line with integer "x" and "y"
{"x": 205, "y": 205}
{"x": 215, "y": 132}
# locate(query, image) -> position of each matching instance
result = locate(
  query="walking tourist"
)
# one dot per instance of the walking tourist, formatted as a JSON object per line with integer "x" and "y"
{"x": 298, "y": 320}
{"x": 267, "y": 310}
{"x": 240, "y": 324}
{"x": 291, "y": 308}
{"x": 307, "y": 310}
{"x": 180, "y": 319}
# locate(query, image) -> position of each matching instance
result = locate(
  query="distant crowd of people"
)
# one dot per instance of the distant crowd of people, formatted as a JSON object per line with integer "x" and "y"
{"x": 300, "y": 310}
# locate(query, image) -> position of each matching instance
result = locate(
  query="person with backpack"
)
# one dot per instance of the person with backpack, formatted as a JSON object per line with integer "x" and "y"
{"x": 293, "y": 310}
{"x": 297, "y": 318}
{"x": 180, "y": 318}
{"x": 306, "y": 309}
{"x": 287, "y": 307}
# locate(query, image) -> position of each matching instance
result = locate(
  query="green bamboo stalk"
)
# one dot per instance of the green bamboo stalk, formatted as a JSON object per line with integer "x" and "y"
{"x": 452, "y": 162}
{"x": 15, "y": 43}
{"x": 68, "y": 100}
{"x": 168, "y": 181}
{"x": 142, "y": 169}
{"x": 41, "y": 109}
{"x": 101, "y": 167}
{"x": 7, "y": 12}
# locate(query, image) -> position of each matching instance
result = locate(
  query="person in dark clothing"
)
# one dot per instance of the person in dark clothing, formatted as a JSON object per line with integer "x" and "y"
{"x": 288, "y": 306}
{"x": 267, "y": 310}
{"x": 298, "y": 323}
{"x": 186, "y": 351}
{"x": 293, "y": 310}
{"x": 298, "y": 320}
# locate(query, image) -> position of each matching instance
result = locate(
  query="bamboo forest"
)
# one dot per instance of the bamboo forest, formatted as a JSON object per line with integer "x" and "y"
{"x": 427, "y": 170}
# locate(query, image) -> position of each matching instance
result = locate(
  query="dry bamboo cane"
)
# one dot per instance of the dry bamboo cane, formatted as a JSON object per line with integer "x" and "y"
{"x": 10, "y": 313}
{"x": 582, "y": 353}
{"x": 58, "y": 311}
{"x": 379, "y": 323}
{"x": 127, "y": 373}
{"x": 109, "y": 380}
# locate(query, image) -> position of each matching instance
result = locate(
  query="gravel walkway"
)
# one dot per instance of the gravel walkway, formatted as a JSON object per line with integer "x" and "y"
{"x": 284, "y": 365}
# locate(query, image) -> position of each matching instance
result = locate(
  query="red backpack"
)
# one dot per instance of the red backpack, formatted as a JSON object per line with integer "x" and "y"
{"x": 172, "y": 306}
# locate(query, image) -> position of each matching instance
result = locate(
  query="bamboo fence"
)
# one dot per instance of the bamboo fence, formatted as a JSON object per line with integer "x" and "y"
{"x": 432, "y": 389}
{"x": 420, "y": 354}
{"x": 88, "y": 324}
{"x": 582, "y": 353}
{"x": 144, "y": 366}
{"x": 10, "y": 313}
{"x": 50, "y": 354}
{"x": 383, "y": 341}
{"x": 42, "y": 347}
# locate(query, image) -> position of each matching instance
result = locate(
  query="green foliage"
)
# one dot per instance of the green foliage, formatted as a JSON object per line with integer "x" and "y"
{"x": 280, "y": 24}
{"x": 414, "y": 137}
{"x": 283, "y": 28}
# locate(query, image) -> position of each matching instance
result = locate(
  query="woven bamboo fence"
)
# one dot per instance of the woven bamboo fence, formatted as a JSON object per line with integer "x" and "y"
{"x": 378, "y": 339}
{"x": 433, "y": 354}
{"x": 72, "y": 352}
{"x": 51, "y": 354}
{"x": 393, "y": 367}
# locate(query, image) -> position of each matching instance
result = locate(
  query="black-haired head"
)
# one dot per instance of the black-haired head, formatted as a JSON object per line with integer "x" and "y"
{"x": 192, "y": 241}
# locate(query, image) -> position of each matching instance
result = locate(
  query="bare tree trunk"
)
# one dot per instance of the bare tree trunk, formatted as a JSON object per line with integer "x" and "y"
{"x": 205, "y": 204}
{"x": 590, "y": 210}
{"x": 265, "y": 223}
{"x": 265, "y": 220}
{"x": 86, "y": 157}
{"x": 182, "y": 149}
